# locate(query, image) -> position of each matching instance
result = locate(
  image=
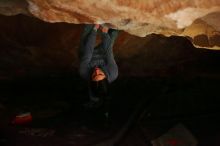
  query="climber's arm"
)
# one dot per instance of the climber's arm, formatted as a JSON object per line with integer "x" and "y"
{"x": 111, "y": 66}
{"x": 86, "y": 51}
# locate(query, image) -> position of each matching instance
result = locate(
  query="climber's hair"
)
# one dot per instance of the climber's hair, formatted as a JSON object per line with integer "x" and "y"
{"x": 99, "y": 88}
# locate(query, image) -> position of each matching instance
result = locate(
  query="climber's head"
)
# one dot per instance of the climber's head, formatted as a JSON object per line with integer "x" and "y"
{"x": 98, "y": 83}
{"x": 98, "y": 74}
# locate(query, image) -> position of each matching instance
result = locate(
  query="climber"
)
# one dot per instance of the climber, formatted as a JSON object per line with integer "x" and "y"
{"x": 97, "y": 63}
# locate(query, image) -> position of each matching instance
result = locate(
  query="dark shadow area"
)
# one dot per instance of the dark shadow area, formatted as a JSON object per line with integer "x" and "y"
{"x": 59, "y": 117}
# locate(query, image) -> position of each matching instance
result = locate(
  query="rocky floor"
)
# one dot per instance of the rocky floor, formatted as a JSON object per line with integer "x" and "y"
{"x": 140, "y": 112}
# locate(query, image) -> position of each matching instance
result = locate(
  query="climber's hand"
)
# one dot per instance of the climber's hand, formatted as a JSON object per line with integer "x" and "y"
{"x": 104, "y": 28}
{"x": 97, "y": 26}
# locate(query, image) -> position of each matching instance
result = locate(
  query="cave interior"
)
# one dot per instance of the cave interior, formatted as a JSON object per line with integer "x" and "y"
{"x": 164, "y": 83}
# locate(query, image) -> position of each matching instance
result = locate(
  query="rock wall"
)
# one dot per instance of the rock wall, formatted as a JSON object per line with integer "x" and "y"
{"x": 139, "y": 17}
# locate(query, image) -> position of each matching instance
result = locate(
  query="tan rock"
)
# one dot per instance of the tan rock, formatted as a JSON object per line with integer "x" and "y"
{"x": 205, "y": 32}
{"x": 138, "y": 17}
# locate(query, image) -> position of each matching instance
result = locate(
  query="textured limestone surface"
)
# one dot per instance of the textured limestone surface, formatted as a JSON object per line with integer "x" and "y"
{"x": 197, "y": 19}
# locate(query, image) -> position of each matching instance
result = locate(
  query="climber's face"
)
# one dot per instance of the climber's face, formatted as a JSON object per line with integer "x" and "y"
{"x": 98, "y": 74}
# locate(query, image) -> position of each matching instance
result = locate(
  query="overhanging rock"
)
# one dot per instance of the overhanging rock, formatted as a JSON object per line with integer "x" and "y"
{"x": 192, "y": 18}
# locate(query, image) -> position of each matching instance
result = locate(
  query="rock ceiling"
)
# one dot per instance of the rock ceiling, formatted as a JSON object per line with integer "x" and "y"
{"x": 199, "y": 20}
